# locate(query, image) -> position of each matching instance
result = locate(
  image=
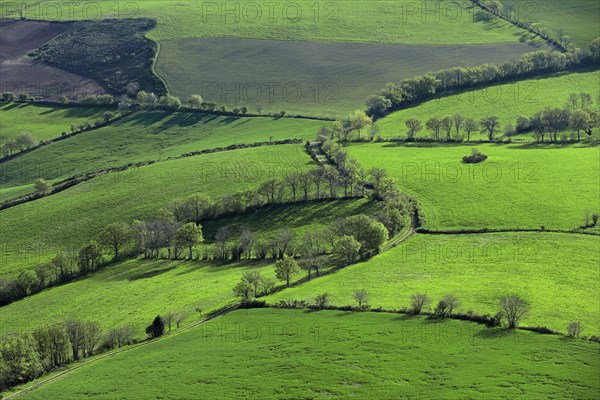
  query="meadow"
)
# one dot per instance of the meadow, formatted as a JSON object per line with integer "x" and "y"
{"x": 506, "y": 101}
{"x": 516, "y": 187}
{"x": 479, "y": 269}
{"x": 577, "y": 19}
{"x": 43, "y": 122}
{"x": 300, "y": 354}
{"x": 447, "y": 21}
{"x": 308, "y": 78}
{"x": 148, "y": 136}
{"x": 35, "y": 231}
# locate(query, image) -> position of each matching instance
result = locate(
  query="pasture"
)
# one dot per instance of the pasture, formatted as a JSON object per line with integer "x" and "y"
{"x": 380, "y": 21}
{"x": 43, "y": 122}
{"x": 507, "y": 101}
{"x": 308, "y": 78}
{"x": 479, "y": 269}
{"x": 516, "y": 187}
{"x": 323, "y": 354}
{"x": 148, "y": 136}
{"x": 577, "y": 19}
{"x": 36, "y": 230}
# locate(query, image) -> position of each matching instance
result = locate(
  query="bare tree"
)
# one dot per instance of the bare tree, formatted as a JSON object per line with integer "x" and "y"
{"x": 414, "y": 126}
{"x": 514, "y": 308}
{"x": 490, "y": 125}
{"x": 470, "y": 126}
{"x": 418, "y": 302}
{"x": 362, "y": 297}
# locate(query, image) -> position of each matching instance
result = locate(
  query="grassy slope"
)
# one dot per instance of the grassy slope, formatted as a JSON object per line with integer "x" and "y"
{"x": 334, "y": 354}
{"x": 507, "y": 101}
{"x": 577, "y": 18}
{"x": 135, "y": 291}
{"x": 42, "y": 122}
{"x": 148, "y": 136}
{"x": 35, "y": 230}
{"x": 517, "y": 187}
{"x": 557, "y": 273}
{"x": 337, "y": 20}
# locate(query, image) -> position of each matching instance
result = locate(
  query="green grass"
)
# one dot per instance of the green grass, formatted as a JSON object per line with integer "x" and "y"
{"x": 557, "y": 273}
{"x": 135, "y": 291}
{"x": 300, "y": 217}
{"x": 44, "y": 123}
{"x": 34, "y": 231}
{"x": 506, "y": 101}
{"x": 148, "y": 136}
{"x": 308, "y": 78}
{"x": 519, "y": 186}
{"x": 283, "y": 354}
{"x": 577, "y": 18}
{"x": 380, "y": 21}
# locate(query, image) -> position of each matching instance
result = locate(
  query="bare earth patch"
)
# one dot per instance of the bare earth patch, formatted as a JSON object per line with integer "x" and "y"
{"x": 19, "y": 74}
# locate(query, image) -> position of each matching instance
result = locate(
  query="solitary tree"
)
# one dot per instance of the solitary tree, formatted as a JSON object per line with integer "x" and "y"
{"x": 514, "y": 308}
{"x": 286, "y": 268}
{"x": 362, "y": 297}
{"x": 414, "y": 126}
{"x": 42, "y": 186}
{"x": 418, "y": 302}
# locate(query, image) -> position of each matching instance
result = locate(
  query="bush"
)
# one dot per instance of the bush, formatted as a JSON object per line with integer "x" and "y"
{"x": 253, "y": 304}
{"x": 157, "y": 328}
{"x": 574, "y": 329}
{"x": 476, "y": 157}
{"x": 322, "y": 300}
{"x": 292, "y": 304}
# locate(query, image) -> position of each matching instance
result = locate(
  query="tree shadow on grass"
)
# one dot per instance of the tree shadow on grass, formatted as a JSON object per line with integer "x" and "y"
{"x": 494, "y": 333}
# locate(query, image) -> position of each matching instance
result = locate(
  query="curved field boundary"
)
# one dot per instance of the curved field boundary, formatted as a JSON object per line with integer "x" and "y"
{"x": 73, "y": 368}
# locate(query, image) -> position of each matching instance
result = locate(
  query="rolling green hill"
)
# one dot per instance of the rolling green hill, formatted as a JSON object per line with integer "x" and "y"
{"x": 276, "y": 354}
{"x": 519, "y": 186}
{"x": 557, "y": 273}
{"x": 507, "y": 101}
{"x": 148, "y": 136}
{"x": 36, "y": 230}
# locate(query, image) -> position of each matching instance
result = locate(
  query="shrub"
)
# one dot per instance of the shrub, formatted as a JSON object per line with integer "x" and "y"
{"x": 418, "y": 302}
{"x": 292, "y": 304}
{"x": 322, "y": 300}
{"x": 476, "y": 157}
{"x": 574, "y": 329}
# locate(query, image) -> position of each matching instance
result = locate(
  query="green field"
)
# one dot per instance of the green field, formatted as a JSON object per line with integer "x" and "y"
{"x": 380, "y": 21}
{"x": 479, "y": 269}
{"x": 506, "y": 101}
{"x": 578, "y": 19}
{"x": 283, "y": 354}
{"x": 519, "y": 186}
{"x": 44, "y": 123}
{"x": 308, "y": 78}
{"x": 36, "y": 230}
{"x": 148, "y": 136}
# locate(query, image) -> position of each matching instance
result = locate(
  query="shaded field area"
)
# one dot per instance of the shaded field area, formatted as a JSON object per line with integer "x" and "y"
{"x": 506, "y": 101}
{"x": 136, "y": 291}
{"x": 36, "y": 230}
{"x": 147, "y": 136}
{"x": 21, "y": 74}
{"x": 577, "y": 19}
{"x": 309, "y": 78}
{"x": 382, "y": 21}
{"x": 479, "y": 270}
{"x": 44, "y": 123}
{"x": 512, "y": 189}
{"x": 363, "y": 355}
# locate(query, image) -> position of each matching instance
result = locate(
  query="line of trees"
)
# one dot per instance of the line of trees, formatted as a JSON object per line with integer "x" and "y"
{"x": 28, "y": 356}
{"x": 411, "y": 91}
{"x": 24, "y": 141}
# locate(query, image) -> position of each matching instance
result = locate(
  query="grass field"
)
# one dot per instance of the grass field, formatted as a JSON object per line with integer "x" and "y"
{"x": 36, "y": 230}
{"x": 519, "y": 186}
{"x": 335, "y": 354}
{"x": 578, "y": 19}
{"x": 479, "y": 269}
{"x": 308, "y": 78}
{"x": 135, "y": 291}
{"x": 506, "y": 101}
{"x": 44, "y": 123}
{"x": 382, "y": 21}
{"x": 148, "y": 136}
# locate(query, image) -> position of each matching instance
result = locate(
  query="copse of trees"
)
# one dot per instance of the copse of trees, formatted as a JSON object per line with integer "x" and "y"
{"x": 411, "y": 91}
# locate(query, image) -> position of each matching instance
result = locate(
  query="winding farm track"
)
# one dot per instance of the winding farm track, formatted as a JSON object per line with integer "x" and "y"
{"x": 109, "y": 354}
